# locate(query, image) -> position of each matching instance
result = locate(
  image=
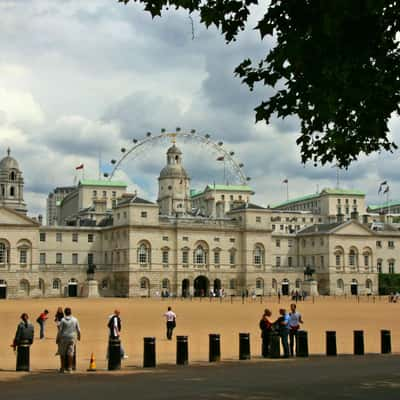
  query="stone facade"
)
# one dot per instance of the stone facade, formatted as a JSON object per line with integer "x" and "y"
{"x": 141, "y": 248}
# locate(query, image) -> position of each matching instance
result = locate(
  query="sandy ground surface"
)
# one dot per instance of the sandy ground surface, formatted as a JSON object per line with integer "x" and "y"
{"x": 144, "y": 317}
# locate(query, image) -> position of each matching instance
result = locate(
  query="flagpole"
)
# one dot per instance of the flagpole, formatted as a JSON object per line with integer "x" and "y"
{"x": 287, "y": 190}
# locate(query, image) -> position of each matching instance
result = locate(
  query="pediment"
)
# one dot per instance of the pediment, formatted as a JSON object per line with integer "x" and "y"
{"x": 11, "y": 217}
{"x": 352, "y": 228}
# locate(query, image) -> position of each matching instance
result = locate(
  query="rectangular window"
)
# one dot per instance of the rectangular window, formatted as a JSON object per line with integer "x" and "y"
{"x": 391, "y": 244}
{"x": 105, "y": 257}
{"x": 104, "y": 193}
{"x": 94, "y": 193}
{"x": 391, "y": 267}
{"x": 290, "y": 243}
{"x": 42, "y": 258}
{"x": 165, "y": 238}
{"x": 125, "y": 215}
{"x": 42, "y": 237}
{"x": 143, "y": 214}
{"x": 185, "y": 257}
{"x": 90, "y": 238}
{"x": 74, "y": 237}
{"x": 59, "y": 237}
{"x": 216, "y": 239}
{"x": 232, "y": 240}
{"x": 232, "y": 257}
{"x": 273, "y": 227}
{"x": 59, "y": 258}
{"x": 278, "y": 243}
{"x": 258, "y": 219}
{"x": 90, "y": 259}
{"x": 74, "y": 258}
{"x": 290, "y": 262}
{"x": 313, "y": 261}
{"x": 114, "y": 194}
{"x": 366, "y": 260}
{"x": 278, "y": 261}
{"x": 165, "y": 257}
{"x": 378, "y": 244}
{"x": 216, "y": 257}
{"x": 281, "y": 227}
{"x": 379, "y": 266}
{"x": 185, "y": 238}
{"x": 23, "y": 256}
{"x": 322, "y": 261}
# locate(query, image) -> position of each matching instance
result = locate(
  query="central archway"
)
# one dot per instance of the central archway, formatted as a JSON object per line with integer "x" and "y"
{"x": 201, "y": 286}
{"x": 185, "y": 288}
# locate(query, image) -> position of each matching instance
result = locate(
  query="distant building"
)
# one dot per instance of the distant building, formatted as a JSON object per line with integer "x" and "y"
{"x": 189, "y": 242}
{"x": 53, "y": 203}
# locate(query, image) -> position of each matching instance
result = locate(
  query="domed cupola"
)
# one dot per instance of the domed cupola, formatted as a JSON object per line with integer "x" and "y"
{"x": 174, "y": 185}
{"x": 11, "y": 184}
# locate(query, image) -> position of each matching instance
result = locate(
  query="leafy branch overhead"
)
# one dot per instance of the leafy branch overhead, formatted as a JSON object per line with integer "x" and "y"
{"x": 335, "y": 65}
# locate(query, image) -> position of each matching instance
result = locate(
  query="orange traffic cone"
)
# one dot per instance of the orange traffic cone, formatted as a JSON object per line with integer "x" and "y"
{"x": 92, "y": 363}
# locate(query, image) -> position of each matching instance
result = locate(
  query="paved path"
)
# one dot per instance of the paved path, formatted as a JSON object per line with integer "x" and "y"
{"x": 347, "y": 377}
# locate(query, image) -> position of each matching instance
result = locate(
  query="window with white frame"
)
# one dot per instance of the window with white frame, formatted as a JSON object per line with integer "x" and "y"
{"x": 143, "y": 254}
{"x": 74, "y": 237}
{"x": 379, "y": 265}
{"x": 277, "y": 261}
{"x": 3, "y": 253}
{"x": 366, "y": 260}
{"x": 56, "y": 284}
{"x": 23, "y": 255}
{"x": 352, "y": 258}
{"x": 58, "y": 236}
{"x": 391, "y": 266}
{"x": 258, "y": 255}
{"x": 90, "y": 238}
{"x": 290, "y": 261}
{"x": 199, "y": 256}
{"x": 90, "y": 258}
{"x": 74, "y": 258}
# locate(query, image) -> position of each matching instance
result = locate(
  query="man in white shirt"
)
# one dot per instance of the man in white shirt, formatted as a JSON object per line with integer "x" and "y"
{"x": 68, "y": 333}
{"x": 170, "y": 317}
{"x": 294, "y": 325}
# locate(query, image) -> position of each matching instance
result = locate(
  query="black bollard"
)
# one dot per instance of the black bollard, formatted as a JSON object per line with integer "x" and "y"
{"x": 182, "y": 353}
{"x": 386, "y": 345}
{"x": 331, "y": 349}
{"x": 149, "y": 352}
{"x": 275, "y": 345}
{"x": 214, "y": 354}
{"x": 244, "y": 346}
{"x": 23, "y": 355}
{"x": 114, "y": 354}
{"x": 358, "y": 343}
{"x": 301, "y": 344}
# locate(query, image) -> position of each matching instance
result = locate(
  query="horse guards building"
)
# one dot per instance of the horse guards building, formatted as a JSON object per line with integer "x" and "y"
{"x": 189, "y": 242}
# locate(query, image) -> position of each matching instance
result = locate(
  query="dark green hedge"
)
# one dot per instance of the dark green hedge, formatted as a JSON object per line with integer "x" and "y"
{"x": 389, "y": 283}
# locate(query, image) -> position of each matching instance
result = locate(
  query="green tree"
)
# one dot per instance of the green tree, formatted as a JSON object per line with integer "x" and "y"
{"x": 335, "y": 65}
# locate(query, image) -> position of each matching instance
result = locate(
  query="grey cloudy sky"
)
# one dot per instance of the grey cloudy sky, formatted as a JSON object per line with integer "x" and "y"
{"x": 79, "y": 78}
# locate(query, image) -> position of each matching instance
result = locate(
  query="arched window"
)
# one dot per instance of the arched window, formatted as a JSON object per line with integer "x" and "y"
{"x": 56, "y": 284}
{"x": 12, "y": 191}
{"x": 3, "y": 253}
{"x": 340, "y": 284}
{"x": 232, "y": 284}
{"x": 24, "y": 286}
{"x": 391, "y": 266}
{"x": 352, "y": 258}
{"x": 199, "y": 256}
{"x": 12, "y": 176}
{"x": 144, "y": 283}
{"x": 259, "y": 283}
{"x": 23, "y": 255}
{"x": 379, "y": 265}
{"x": 165, "y": 284}
{"x": 298, "y": 283}
{"x": 258, "y": 255}
{"x": 143, "y": 254}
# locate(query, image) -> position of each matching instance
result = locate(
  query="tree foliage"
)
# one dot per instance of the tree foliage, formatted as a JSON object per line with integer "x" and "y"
{"x": 335, "y": 64}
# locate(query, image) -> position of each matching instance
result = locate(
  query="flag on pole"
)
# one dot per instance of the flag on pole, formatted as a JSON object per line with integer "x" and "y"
{"x": 80, "y": 166}
{"x": 384, "y": 183}
{"x": 220, "y": 158}
{"x": 285, "y": 181}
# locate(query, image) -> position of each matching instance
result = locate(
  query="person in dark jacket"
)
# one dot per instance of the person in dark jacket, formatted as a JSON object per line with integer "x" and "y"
{"x": 266, "y": 330}
{"x": 25, "y": 331}
{"x": 282, "y": 324}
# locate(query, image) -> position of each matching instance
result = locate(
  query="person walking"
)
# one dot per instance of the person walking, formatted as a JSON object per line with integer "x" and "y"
{"x": 282, "y": 324}
{"x": 294, "y": 325}
{"x": 171, "y": 322}
{"x": 68, "y": 333}
{"x": 25, "y": 332}
{"x": 266, "y": 330}
{"x": 41, "y": 320}
{"x": 58, "y": 316}
{"x": 115, "y": 326}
